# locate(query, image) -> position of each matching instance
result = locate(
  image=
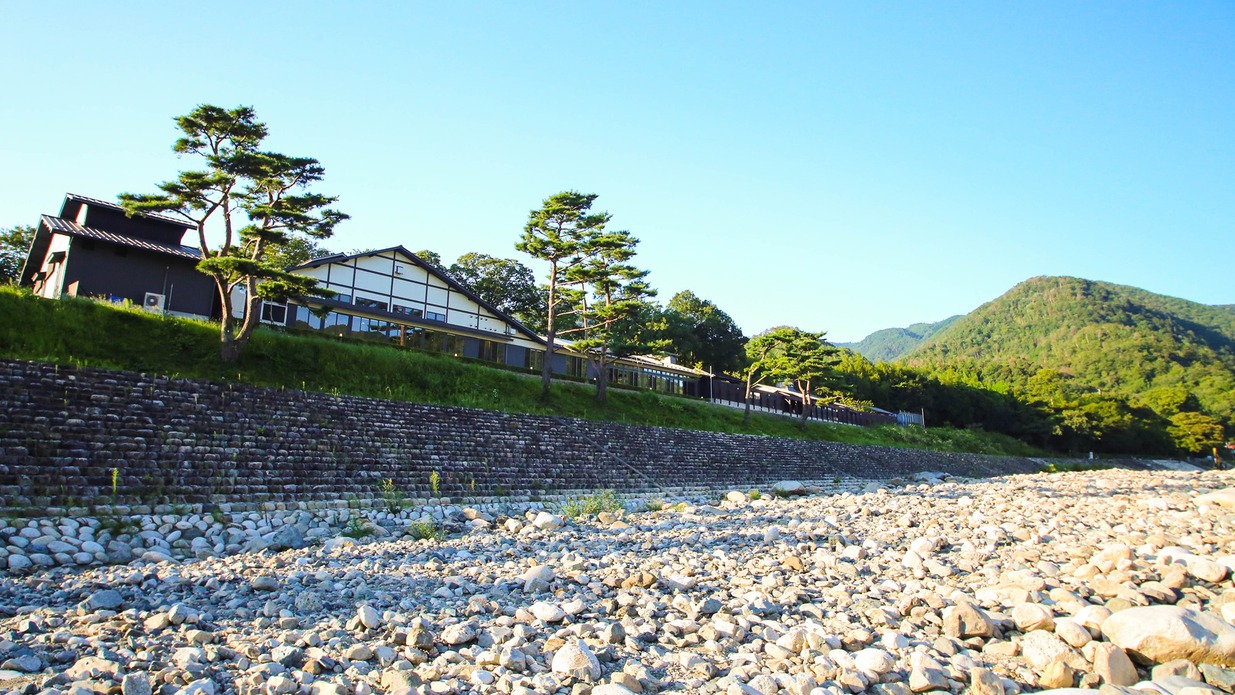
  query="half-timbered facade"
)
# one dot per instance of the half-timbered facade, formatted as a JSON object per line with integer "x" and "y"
{"x": 393, "y": 296}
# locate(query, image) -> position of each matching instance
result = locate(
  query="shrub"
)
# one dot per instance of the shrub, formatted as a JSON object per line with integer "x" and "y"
{"x": 421, "y": 530}
{"x": 602, "y": 501}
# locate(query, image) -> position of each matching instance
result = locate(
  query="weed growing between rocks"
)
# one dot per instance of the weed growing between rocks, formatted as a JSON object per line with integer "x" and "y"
{"x": 421, "y": 530}
{"x": 602, "y": 501}
{"x": 357, "y": 528}
{"x": 392, "y": 497}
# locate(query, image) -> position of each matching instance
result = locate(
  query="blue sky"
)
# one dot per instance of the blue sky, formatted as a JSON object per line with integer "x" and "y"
{"x": 833, "y": 165}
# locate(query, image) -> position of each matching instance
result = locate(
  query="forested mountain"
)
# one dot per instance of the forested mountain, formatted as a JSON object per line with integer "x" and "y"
{"x": 1116, "y": 364}
{"x": 890, "y": 343}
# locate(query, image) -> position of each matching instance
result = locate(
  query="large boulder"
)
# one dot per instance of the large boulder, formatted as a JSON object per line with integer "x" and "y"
{"x": 575, "y": 659}
{"x": 1219, "y": 498}
{"x": 1158, "y": 634}
{"x": 965, "y": 620}
{"x": 788, "y": 488}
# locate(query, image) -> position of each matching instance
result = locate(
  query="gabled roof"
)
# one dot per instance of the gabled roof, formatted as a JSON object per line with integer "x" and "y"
{"x": 113, "y": 206}
{"x": 432, "y": 270}
{"x": 63, "y": 226}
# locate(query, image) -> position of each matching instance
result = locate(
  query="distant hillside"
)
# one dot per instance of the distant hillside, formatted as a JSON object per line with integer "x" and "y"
{"x": 890, "y": 343}
{"x": 1056, "y": 337}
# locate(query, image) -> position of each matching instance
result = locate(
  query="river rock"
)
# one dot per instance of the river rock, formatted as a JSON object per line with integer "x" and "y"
{"x": 575, "y": 659}
{"x": 1158, "y": 634}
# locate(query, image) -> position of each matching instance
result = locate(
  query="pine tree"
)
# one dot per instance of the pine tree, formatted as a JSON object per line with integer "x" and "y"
{"x": 237, "y": 182}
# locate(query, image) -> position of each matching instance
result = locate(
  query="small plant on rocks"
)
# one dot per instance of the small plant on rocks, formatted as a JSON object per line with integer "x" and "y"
{"x": 653, "y": 504}
{"x": 425, "y": 529}
{"x": 392, "y": 496}
{"x": 603, "y": 501}
{"x": 754, "y": 494}
{"x": 357, "y": 528}
{"x": 435, "y": 480}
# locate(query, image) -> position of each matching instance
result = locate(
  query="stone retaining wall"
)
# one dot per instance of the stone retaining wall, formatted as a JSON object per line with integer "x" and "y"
{"x": 63, "y": 431}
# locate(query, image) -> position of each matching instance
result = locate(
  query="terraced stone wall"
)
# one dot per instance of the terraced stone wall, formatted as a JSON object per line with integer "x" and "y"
{"x": 64, "y": 430}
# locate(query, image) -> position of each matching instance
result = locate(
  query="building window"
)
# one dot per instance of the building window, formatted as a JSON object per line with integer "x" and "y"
{"x": 492, "y": 352}
{"x": 414, "y": 313}
{"x": 274, "y": 313}
{"x": 434, "y": 316}
{"x": 576, "y": 367}
{"x": 454, "y": 345}
{"x": 370, "y": 304}
{"x": 535, "y": 360}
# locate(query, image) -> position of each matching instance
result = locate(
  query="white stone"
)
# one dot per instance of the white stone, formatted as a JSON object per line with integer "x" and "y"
{"x": 1164, "y": 633}
{"x": 575, "y": 659}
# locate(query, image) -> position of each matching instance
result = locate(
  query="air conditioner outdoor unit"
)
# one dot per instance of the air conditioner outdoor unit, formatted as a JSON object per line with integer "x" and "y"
{"x": 154, "y": 302}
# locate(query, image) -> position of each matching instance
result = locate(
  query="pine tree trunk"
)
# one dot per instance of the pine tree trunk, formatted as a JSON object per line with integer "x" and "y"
{"x": 602, "y": 384}
{"x": 546, "y": 370}
{"x": 746, "y": 410}
{"x": 805, "y": 406}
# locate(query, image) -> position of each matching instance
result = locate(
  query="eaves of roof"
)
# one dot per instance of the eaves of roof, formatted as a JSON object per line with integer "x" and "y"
{"x": 59, "y": 225}
{"x": 113, "y": 206}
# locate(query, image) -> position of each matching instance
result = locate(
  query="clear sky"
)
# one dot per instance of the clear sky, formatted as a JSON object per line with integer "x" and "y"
{"x": 839, "y": 166}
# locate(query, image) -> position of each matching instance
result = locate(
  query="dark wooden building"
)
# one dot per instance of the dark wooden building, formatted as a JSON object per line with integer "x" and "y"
{"x": 92, "y": 249}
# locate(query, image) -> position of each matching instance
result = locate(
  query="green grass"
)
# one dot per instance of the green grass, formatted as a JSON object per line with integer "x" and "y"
{"x": 1074, "y": 466}
{"x": 85, "y": 333}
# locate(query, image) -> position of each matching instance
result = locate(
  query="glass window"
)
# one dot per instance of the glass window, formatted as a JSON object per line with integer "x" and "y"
{"x": 535, "y": 360}
{"x": 454, "y": 345}
{"x": 576, "y": 367}
{"x": 371, "y": 303}
{"x": 337, "y": 324}
{"x": 410, "y": 311}
{"x": 432, "y": 341}
{"x": 492, "y": 352}
{"x": 274, "y": 313}
{"x": 434, "y": 316}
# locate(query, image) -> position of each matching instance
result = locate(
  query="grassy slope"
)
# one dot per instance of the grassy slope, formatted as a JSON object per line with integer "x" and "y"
{"x": 89, "y": 334}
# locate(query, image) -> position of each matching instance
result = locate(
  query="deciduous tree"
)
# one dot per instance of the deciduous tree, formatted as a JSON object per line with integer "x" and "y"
{"x": 239, "y": 183}
{"x": 505, "y": 283}
{"x": 718, "y": 344}
{"x": 14, "y": 247}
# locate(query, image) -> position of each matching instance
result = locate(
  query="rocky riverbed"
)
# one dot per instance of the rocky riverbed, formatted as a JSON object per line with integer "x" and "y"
{"x": 1110, "y": 579}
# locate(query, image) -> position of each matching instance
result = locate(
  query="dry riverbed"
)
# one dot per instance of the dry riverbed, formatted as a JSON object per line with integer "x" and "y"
{"x": 1109, "y": 579}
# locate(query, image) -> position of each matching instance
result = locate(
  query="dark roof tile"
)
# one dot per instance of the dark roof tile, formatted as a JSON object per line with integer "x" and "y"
{"x": 63, "y": 226}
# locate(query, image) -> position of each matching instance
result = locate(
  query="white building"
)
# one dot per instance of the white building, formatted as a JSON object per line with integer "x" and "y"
{"x": 393, "y": 296}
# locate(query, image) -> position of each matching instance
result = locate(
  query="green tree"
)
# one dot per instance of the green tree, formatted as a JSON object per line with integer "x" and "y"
{"x": 505, "y": 283}
{"x": 610, "y": 300}
{"x": 805, "y": 360}
{"x": 297, "y": 251}
{"x": 715, "y": 341}
{"x": 239, "y": 182}
{"x": 1195, "y": 433}
{"x": 565, "y": 234}
{"x": 433, "y": 258}
{"x": 14, "y": 247}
